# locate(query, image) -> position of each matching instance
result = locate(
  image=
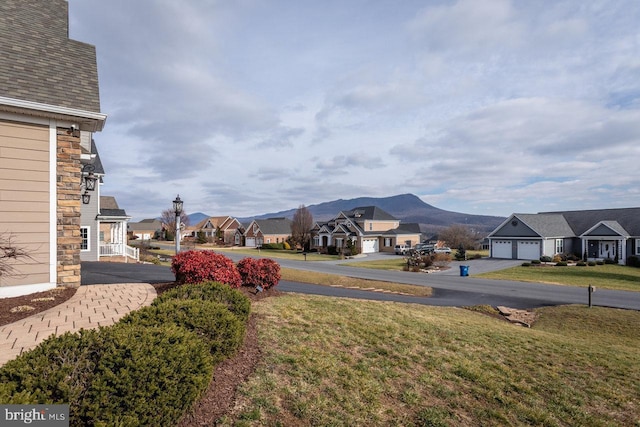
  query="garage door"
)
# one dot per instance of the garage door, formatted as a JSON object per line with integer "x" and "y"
{"x": 369, "y": 246}
{"x": 250, "y": 241}
{"x": 501, "y": 249}
{"x": 528, "y": 249}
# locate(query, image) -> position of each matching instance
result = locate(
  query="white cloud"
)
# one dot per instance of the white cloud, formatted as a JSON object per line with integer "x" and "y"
{"x": 247, "y": 107}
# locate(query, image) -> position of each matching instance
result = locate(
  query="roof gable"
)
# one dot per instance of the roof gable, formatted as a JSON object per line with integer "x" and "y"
{"x": 606, "y": 228}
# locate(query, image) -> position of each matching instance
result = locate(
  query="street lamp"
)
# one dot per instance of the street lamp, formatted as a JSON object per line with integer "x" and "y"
{"x": 177, "y": 208}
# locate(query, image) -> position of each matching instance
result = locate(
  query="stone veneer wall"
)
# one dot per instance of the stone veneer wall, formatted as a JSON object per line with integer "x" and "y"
{"x": 68, "y": 209}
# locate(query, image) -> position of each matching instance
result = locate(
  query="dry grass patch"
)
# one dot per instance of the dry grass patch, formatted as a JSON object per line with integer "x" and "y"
{"x": 342, "y": 362}
{"x": 351, "y": 282}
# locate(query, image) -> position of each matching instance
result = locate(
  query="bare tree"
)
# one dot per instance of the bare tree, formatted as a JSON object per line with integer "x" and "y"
{"x": 168, "y": 219}
{"x": 301, "y": 227}
{"x": 459, "y": 235}
{"x": 9, "y": 253}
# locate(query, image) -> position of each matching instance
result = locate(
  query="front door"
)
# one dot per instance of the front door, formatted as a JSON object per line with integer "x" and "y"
{"x": 607, "y": 249}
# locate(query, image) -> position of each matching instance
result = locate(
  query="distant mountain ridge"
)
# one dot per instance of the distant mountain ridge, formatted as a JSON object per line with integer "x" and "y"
{"x": 406, "y": 207}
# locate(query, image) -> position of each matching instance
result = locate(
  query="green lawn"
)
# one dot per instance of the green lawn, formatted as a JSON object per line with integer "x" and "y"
{"x": 339, "y": 362}
{"x": 608, "y": 276}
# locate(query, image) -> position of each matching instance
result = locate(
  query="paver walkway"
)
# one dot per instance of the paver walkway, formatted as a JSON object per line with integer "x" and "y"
{"x": 90, "y": 307}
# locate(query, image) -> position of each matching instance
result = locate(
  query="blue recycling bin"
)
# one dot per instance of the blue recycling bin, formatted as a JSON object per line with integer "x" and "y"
{"x": 464, "y": 270}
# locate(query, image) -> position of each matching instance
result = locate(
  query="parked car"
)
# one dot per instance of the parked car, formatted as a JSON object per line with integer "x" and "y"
{"x": 442, "y": 250}
{"x": 423, "y": 248}
{"x": 402, "y": 249}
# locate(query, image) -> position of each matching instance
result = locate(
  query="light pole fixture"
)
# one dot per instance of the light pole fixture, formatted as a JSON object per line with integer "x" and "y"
{"x": 88, "y": 182}
{"x": 177, "y": 208}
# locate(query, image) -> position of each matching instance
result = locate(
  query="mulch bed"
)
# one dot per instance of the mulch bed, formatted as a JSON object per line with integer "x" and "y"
{"x": 40, "y": 301}
{"x": 219, "y": 398}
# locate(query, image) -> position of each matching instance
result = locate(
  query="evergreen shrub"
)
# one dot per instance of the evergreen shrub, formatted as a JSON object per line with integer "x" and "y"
{"x": 211, "y": 321}
{"x": 272, "y": 246}
{"x": 121, "y": 375}
{"x": 633, "y": 261}
{"x": 233, "y": 299}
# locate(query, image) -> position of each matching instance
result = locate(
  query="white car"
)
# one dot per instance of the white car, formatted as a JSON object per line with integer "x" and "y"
{"x": 402, "y": 249}
{"x": 442, "y": 250}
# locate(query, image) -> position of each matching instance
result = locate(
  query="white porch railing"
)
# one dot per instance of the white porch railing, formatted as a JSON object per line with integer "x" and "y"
{"x": 119, "y": 249}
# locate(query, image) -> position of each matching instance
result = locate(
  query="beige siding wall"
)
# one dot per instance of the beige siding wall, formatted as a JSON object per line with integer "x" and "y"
{"x": 275, "y": 238}
{"x": 380, "y": 225}
{"x": 24, "y": 198}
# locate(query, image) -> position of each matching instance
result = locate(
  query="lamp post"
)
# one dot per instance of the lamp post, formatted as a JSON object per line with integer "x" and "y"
{"x": 177, "y": 208}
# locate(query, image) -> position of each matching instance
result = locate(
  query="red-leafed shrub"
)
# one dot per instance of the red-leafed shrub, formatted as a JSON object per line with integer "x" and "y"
{"x": 259, "y": 272}
{"x": 203, "y": 266}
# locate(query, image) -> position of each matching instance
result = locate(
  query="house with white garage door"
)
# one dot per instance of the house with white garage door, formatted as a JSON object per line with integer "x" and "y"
{"x": 369, "y": 228}
{"x": 591, "y": 235}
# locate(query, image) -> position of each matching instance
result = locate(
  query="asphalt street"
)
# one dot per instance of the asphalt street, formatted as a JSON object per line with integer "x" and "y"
{"x": 450, "y": 289}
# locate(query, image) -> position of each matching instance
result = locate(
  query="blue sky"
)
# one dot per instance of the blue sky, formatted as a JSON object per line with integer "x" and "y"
{"x": 477, "y": 106}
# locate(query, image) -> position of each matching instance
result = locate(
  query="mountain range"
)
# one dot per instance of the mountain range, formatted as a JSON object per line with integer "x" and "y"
{"x": 406, "y": 207}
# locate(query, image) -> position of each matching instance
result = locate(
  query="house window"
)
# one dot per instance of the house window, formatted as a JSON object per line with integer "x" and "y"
{"x": 370, "y": 226}
{"x": 387, "y": 242}
{"x": 559, "y": 246}
{"x": 637, "y": 246}
{"x": 268, "y": 240}
{"x": 84, "y": 235}
{"x": 316, "y": 240}
{"x": 339, "y": 242}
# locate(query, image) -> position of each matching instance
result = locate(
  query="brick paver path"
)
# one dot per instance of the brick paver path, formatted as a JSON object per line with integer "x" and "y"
{"x": 91, "y": 306}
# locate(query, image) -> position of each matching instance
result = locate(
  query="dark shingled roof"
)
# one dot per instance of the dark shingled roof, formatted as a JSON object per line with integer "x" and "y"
{"x": 109, "y": 207}
{"x": 370, "y": 213}
{"x": 38, "y": 61}
{"x": 581, "y": 221}
{"x": 274, "y": 225}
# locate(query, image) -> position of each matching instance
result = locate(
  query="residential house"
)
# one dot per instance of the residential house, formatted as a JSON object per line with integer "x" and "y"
{"x": 592, "y": 234}
{"x": 219, "y": 229}
{"x": 112, "y": 223}
{"x": 49, "y": 103}
{"x": 103, "y": 225}
{"x": 146, "y": 229}
{"x": 370, "y": 228}
{"x": 271, "y": 230}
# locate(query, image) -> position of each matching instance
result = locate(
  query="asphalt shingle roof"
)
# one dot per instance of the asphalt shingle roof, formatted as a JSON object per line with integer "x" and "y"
{"x": 370, "y": 213}
{"x": 274, "y": 225}
{"x": 38, "y": 61}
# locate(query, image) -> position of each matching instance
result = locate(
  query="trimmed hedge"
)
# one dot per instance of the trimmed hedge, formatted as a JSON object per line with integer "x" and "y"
{"x": 99, "y": 373}
{"x": 203, "y": 266}
{"x": 235, "y": 300}
{"x": 212, "y": 321}
{"x": 147, "y": 376}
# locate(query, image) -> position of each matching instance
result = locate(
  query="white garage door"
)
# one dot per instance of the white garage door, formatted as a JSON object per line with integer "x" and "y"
{"x": 250, "y": 241}
{"x": 369, "y": 246}
{"x": 501, "y": 249}
{"x": 528, "y": 249}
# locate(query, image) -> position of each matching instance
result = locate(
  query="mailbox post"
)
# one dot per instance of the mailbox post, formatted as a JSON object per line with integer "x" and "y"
{"x": 592, "y": 289}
